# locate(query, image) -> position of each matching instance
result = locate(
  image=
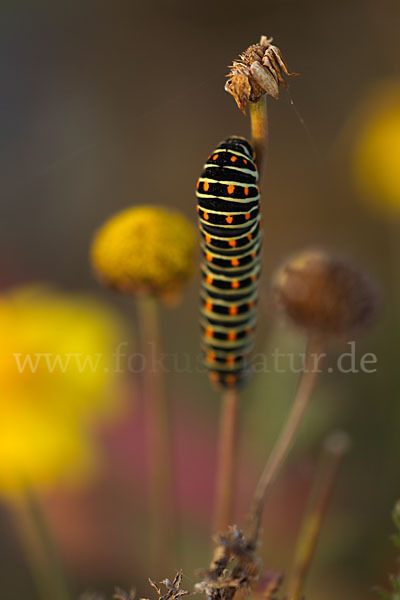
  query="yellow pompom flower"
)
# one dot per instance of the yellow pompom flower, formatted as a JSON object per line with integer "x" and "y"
{"x": 145, "y": 249}
{"x": 56, "y": 375}
{"x": 377, "y": 150}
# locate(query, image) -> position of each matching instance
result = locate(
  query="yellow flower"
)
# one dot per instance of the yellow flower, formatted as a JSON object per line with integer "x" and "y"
{"x": 377, "y": 151}
{"x": 40, "y": 451}
{"x": 145, "y": 249}
{"x": 56, "y": 369}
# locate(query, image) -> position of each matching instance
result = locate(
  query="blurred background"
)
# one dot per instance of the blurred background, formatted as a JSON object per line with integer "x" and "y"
{"x": 107, "y": 105}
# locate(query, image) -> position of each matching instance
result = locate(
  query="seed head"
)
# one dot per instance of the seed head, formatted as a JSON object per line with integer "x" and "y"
{"x": 325, "y": 294}
{"x": 258, "y": 71}
{"x": 234, "y": 568}
{"x": 145, "y": 249}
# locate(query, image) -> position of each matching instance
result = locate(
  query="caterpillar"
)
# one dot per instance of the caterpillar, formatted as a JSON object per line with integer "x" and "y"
{"x": 230, "y": 227}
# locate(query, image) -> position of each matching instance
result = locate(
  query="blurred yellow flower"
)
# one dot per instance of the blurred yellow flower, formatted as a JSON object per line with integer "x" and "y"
{"x": 145, "y": 249}
{"x": 40, "y": 451}
{"x": 377, "y": 150}
{"x": 55, "y": 375}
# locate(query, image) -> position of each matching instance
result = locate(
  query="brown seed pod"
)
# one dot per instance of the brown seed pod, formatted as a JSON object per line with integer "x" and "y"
{"x": 258, "y": 71}
{"x": 325, "y": 294}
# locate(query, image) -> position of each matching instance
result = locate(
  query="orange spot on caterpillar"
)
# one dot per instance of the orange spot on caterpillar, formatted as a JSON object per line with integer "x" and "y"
{"x": 230, "y": 189}
{"x": 215, "y": 156}
{"x": 229, "y": 219}
{"x": 230, "y": 360}
{"x": 208, "y": 238}
{"x": 253, "y": 278}
{"x": 249, "y": 237}
{"x": 205, "y": 216}
{"x": 232, "y": 243}
{"x": 197, "y": 184}
{"x": 209, "y": 305}
{"x": 235, "y": 262}
{"x": 247, "y": 216}
{"x": 253, "y": 255}
{"x": 214, "y": 377}
{"x": 211, "y": 356}
{"x": 230, "y": 379}
{"x": 209, "y": 257}
{"x": 206, "y": 186}
{"x": 244, "y": 161}
{"x": 233, "y": 310}
{"x": 209, "y": 279}
{"x": 209, "y": 332}
{"x": 246, "y": 191}
{"x": 235, "y": 284}
{"x": 251, "y": 304}
{"x": 233, "y": 158}
{"x": 197, "y": 208}
{"x": 232, "y": 336}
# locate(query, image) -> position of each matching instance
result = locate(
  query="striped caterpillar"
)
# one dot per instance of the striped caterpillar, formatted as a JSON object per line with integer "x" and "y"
{"x": 230, "y": 225}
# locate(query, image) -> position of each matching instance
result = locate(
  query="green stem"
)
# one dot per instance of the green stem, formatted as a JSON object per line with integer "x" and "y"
{"x": 335, "y": 447}
{"x": 259, "y": 129}
{"x": 41, "y": 551}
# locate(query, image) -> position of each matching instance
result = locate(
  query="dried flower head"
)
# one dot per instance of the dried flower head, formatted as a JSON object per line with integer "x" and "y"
{"x": 258, "y": 71}
{"x": 325, "y": 294}
{"x": 234, "y": 568}
{"x": 173, "y": 589}
{"x": 145, "y": 249}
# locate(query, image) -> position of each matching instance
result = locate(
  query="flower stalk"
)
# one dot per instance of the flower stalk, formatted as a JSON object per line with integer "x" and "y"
{"x": 287, "y": 436}
{"x": 259, "y": 129}
{"x": 41, "y": 551}
{"x": 226, "y": 462}
{"x": 335, "y": 446}
{"x": 160, "y": 461}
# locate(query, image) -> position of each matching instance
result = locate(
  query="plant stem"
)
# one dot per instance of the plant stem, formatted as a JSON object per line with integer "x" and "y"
{"x": 286, "y": 438}
{"x": 226, "y": 462}
{"x": 41, "y": 551}
{"x": 259, "y": 129}
{"x": 336, "y": 445}
{"x": 160, "y": 461}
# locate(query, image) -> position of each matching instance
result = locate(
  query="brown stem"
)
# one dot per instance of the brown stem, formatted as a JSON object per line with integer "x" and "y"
{"x": 335, "y": 447}
{"x": 287, "y": 436}
{"x": 259, "y": 129}
{"x": 226, "y": 465}
{"x": 160, "y": 461}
